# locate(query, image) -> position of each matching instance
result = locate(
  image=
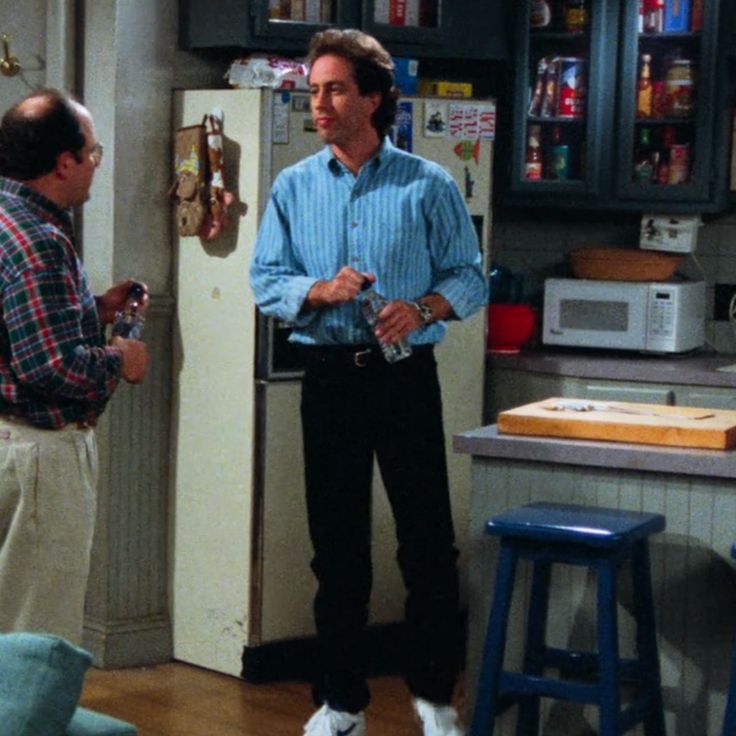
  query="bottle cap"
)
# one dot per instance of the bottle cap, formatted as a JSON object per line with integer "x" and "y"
{"x": 137, "y": 290}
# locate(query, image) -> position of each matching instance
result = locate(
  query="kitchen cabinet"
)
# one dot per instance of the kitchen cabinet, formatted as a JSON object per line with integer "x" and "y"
{"x": 617, "y": 110}
{"x": 468, "y": 29}
{"x": 507, "y": 388}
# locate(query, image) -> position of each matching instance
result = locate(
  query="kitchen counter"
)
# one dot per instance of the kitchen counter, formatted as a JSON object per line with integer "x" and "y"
{"x": 698, "y": 369}
{"x": 694, "y": 577}
{"x": 489, "y": 443}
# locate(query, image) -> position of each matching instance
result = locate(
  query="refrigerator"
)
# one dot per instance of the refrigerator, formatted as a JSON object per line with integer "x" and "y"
{"x": 241, "y": 581}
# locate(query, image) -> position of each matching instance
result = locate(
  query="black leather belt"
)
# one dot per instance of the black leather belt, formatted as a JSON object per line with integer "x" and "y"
{"x": 353, "y": 356}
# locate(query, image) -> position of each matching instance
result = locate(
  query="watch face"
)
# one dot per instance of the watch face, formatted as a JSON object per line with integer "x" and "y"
{"x": 425, "y": 311}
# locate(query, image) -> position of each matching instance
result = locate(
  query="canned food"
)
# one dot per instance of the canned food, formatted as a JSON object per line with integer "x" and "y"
{"x": 559, "y": 162}
{"x": 571, "y": 94}
{"x": 679, "y": 171}
{"x": 679, "y": 88}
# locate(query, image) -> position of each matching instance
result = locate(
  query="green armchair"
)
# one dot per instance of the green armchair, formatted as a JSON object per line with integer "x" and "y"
{"x": 41, "y": 678}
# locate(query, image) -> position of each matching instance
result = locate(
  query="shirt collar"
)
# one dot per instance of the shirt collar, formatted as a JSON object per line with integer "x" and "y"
{"x": 378, "y": 161}
{"x": 46, "y": 209}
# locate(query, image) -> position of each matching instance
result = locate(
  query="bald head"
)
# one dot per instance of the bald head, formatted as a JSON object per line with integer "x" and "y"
{"x": 36, "y": 130}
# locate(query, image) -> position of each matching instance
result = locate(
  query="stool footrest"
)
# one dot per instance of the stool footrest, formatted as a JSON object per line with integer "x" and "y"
{"x": 635, "y": 713}
{"x": 547, "y": 687}
{"x": 575, "y": 662}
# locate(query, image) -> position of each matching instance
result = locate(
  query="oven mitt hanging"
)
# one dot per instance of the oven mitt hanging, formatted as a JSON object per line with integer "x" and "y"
{"x": 190, "y": 168}
{"x": 215, "y": 218}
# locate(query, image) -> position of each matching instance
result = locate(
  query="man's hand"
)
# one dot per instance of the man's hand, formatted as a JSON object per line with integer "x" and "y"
{"x": 113, "y": 300}
{"x": 398, "y": 318}
{"x": 135, "y": 358}
{"x": 344, "y": 287}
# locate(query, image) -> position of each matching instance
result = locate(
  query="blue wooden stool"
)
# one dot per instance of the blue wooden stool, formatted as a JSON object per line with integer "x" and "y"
{"x": 599, "y": 538}
{"x": 729, "y": 720}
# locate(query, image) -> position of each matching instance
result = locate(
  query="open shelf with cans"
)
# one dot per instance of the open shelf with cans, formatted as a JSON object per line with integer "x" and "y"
{"x": 620, "y": 105}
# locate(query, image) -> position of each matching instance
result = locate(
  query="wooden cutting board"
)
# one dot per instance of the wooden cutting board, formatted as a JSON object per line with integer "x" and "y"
{"x": 619, "y": 421}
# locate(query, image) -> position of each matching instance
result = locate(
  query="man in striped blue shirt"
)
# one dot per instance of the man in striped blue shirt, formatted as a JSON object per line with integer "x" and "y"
{"x": 362, "y": 211}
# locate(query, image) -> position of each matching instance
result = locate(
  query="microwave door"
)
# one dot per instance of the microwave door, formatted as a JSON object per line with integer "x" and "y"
{"x": 601, "y": 320}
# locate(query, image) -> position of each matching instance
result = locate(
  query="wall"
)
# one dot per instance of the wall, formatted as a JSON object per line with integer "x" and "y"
{"x": 25, "y": 23}
{"x": 129, "y": 66}
{"x": 536, "y": 246}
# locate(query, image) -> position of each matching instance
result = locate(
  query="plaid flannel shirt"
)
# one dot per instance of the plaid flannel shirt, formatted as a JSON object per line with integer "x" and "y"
{"x": 54, "y": 365}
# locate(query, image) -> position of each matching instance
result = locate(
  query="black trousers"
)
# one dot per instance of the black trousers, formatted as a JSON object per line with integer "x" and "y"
{"x": 350, "y": 414}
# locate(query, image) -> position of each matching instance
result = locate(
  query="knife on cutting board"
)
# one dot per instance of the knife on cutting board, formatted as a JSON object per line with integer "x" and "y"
{"x": 581, "y": 405}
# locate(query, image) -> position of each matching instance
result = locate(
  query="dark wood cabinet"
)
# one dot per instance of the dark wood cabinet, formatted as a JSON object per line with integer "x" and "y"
{"x": 469, "y": 29}
{"x": 622, "y": 111}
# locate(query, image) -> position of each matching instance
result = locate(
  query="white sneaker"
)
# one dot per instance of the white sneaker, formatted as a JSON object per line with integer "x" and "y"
{"x": 329, "y": 722}
{"x": 438, "y": 720}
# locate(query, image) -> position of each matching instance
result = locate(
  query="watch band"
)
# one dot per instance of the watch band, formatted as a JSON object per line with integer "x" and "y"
{"x": 425, "y": 311}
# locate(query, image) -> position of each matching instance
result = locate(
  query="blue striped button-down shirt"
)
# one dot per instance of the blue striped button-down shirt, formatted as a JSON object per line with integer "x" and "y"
{"x": 402, "y": 218}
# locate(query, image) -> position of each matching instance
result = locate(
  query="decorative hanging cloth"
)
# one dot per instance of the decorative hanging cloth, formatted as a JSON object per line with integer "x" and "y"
{"x": 190, "y": 161}
{"x": 215, "y": 219}
{"x": 199, "y": 188}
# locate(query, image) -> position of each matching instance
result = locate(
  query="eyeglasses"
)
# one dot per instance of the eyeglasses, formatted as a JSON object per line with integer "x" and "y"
{"x": 95, "y": 153}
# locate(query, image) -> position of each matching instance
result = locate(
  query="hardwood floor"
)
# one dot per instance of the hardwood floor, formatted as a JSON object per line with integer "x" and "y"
{"x": 176, "y": 699}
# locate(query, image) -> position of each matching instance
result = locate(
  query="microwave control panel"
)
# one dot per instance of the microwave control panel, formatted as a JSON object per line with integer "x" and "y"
{"x": 661, "y": 313}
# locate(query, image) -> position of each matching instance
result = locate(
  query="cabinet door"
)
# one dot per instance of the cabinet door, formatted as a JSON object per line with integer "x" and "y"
{"x": 669, "y": 108}
{"x": 564, "y": 94}
{"x": 292, "y": 22}
{"x": 645, "y": 393}
{"x": 463, "y": 29}
{"x": 509, "y": 388}
{"x": 413, "y": 22}
{"x": 710, "y": 398}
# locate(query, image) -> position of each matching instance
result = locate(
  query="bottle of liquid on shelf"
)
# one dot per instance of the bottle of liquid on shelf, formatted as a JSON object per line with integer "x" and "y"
{"x": 559, "y": 156}
{"x": 576, "y": 15}
{"x": 643, "y": 163}
{"x": 533, "y": 161}
{"x": 371, "y": 304}
{"x": 644, "y": 88}
{"x": 128, "y": 322}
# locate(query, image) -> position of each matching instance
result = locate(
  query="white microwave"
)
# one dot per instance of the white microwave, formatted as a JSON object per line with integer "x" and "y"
{"x": 645, "y": 316}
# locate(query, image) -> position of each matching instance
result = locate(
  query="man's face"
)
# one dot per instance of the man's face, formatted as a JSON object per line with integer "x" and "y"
{"x": 342, "y": 115}
{"x": 81, "y": 172}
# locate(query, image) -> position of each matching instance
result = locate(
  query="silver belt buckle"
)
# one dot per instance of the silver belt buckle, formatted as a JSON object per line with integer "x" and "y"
{"x": 360, "y": 359}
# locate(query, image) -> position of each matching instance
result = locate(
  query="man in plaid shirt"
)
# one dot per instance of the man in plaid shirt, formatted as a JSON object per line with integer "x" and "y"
{"x": 57, "y": 372}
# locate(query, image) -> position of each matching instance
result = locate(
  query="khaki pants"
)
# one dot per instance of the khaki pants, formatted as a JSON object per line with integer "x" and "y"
{"x": 47, "y": 515}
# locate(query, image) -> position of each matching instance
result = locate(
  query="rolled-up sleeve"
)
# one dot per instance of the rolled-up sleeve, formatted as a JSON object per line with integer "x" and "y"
{"x": 279, "y": 282}
{"x": 457, "y": 260}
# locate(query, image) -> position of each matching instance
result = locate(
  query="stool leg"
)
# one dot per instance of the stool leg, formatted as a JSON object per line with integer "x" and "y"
{"x": 646, "y": 639}
{"x": 528, "y": 722}
{"x": 729, "y": 719}
{"x": 493, "y": 651}
{"x": 610, "y": 701}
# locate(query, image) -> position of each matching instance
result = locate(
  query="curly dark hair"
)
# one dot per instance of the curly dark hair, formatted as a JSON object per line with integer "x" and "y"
{"x": 372, "y": 65}
{"x": 31, "y": 141}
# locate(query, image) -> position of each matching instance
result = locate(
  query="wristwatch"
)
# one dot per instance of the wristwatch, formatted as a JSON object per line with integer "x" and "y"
{"x": 425, "y": 311}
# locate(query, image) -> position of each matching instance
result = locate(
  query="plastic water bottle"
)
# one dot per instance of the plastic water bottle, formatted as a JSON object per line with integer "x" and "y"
{"x": 371, "y": 303}
{"x": 128, "y": 322}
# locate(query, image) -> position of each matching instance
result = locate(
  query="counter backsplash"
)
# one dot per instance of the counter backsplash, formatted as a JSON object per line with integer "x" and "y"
{"x": 537, "y": 248}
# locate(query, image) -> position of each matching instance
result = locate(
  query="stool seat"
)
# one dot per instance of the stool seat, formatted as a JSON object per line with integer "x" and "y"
{"x": 601, "y": 539}
{"x": 595, "y": 527}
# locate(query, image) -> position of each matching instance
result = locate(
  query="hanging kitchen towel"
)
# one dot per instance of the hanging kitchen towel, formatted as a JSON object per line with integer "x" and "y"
{"x": 190, "y": 168}
{"x": 218, "y": 199}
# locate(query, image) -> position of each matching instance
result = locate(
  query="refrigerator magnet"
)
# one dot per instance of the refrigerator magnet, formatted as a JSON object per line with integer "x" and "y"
{"x": 435, "y": 119}
{"x": 401, "y": 133}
